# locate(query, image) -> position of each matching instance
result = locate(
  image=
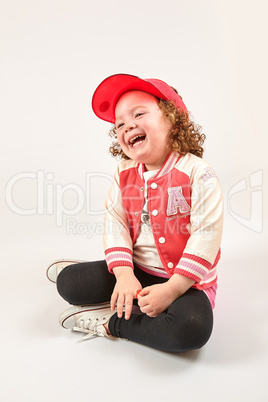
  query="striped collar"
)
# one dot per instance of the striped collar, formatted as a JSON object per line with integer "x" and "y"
{"x": 168, "y": 165}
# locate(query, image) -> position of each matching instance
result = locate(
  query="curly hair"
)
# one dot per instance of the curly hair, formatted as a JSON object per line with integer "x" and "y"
{"x": 185, "y": 136}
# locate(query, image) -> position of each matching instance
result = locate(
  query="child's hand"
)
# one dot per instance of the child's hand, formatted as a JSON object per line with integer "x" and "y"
{"x": 155, "y": 299}
{"x": 124, "y": 291}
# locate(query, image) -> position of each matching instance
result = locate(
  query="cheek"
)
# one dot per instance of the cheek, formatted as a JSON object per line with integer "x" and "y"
{"x": 163, "y": 127}
{"x": 120, "y": 138}
{"x": 166, "y": 131}
{"x": 123, "y": 145}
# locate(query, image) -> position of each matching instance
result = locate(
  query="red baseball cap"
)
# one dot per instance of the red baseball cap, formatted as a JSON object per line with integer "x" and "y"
{"x": 109, "y": 91}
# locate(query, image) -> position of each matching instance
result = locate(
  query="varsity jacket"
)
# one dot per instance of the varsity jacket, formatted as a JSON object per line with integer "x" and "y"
{"x": 186, "y": 214}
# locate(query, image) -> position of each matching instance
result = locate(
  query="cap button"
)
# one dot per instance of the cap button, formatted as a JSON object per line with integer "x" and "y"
{"x": 104, "y": 106}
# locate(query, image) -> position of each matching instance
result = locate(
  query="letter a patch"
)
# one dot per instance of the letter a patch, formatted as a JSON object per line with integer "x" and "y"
{"x": 176, "y": 201}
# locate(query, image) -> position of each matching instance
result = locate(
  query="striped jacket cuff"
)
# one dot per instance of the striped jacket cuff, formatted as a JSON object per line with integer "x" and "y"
{"x": 193, "y": 267}
{"x": 118, "y": 257}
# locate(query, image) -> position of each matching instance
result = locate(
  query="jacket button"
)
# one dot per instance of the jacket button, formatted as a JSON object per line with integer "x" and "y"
{"x": 141, "y": 188}
{"x": 155, "y": 212}
{"x": 170, "y": 265}
{"x": 161, "y": 240}
{"x": 153, "y": 186}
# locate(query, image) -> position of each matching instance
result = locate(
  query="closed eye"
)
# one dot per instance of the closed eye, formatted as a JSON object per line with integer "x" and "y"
{"x": 119, "y": 125}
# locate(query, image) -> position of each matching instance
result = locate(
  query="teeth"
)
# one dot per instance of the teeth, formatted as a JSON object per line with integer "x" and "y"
{"x": 135, "y": 138}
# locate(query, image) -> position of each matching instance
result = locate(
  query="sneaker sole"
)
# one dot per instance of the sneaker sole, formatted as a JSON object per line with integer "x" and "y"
{"x": 51, "y": 272}
{"x": 78, "y": 309}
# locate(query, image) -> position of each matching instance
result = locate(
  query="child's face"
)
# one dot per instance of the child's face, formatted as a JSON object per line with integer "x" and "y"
{"x": 142, "y": 130}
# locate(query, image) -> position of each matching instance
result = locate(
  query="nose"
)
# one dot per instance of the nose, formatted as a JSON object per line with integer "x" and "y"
{"x": 129, "y": 125}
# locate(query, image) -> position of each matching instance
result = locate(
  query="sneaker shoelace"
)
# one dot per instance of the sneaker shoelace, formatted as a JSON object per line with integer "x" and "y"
{"x": 91, "y": 327}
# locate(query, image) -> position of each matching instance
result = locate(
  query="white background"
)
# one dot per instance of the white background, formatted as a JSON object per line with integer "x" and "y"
{"x": 54, "y": 153}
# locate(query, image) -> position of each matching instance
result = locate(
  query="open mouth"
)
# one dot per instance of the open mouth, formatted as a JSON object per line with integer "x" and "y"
{"x": 136, "y": 140}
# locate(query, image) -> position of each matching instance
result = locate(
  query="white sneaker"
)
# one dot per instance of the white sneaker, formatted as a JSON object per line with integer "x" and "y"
{"x": 87, "y": 319}
{"x": 57, "y": 266}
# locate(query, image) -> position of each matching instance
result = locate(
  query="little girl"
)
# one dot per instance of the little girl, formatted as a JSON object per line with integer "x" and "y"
{"x": 158, "y": 282}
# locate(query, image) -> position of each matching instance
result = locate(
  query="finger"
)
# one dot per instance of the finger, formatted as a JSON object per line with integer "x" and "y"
{"x": 113, "y": 300}
{"x": 144, "y": 291}
{"x": 128, "y": 306}
{"x": 151, "y": 314}
{"x": 143, "y": 302}
{"x": 120, "y": 305}
{"x": 147, "y": 309}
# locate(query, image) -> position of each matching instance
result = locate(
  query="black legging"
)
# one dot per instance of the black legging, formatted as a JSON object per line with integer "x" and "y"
{"x": 185, "y": 325}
